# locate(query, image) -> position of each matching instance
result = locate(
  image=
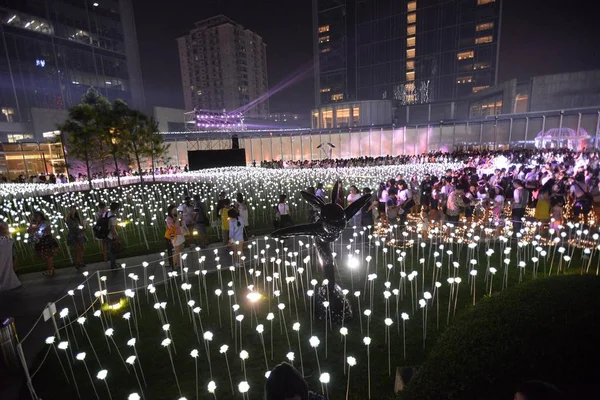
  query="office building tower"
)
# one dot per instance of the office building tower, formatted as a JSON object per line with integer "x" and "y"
{"x": 52, "y": 51}
{"x": 224, "y": 67}
{"x": 409, "y": 51}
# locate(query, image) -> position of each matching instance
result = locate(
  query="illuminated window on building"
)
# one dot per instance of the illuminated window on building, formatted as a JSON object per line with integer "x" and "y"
{"x": 410, "y": 96}
{"x": 411, "y": 18}
{"x": 410, "y": 76}
{"x": 411, "y": 41}
{"x": 463, "y": 55}
{"x": 410, "y": 65}
{"x": 484, "y": 39}
{"x": 411, "y": 30}
{"x": 327, "y": 119}
{"x": 521, "y": 103}
{"x": 315, "y": 119}
{"x": 28, "y": 22}
{"x": 465, "y": 79}
{"x": 482, "y": 65}
{"x": 484, "y": 27}
{"x": 410, "y": 53}
{"x": 325, "y": 90}
{"x": 355, "y": 116}
{"x": 478, "y": 88}
{"x": 324, "y": 39}
{"x": 8, "y": 114}
{"x": 342, "y": 117}
{"x": 16, "y": 137}
{"x": 337, "y": 97}
{"x": 411, "y": 6}
{"x": 482, "y": 2}
{"x": 484, "y": 108}
{"x": 326, "y": 50}
{"x": 323, "y": 29}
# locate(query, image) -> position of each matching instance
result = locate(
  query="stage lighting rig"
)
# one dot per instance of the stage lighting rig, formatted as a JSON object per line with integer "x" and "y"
{"x": 210, "y": 120}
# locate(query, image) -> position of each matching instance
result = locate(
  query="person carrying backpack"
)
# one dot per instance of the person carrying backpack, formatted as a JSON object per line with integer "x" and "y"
{"x": 106, "y": 230}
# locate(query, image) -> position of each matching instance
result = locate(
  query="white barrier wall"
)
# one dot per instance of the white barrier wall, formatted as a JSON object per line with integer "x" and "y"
{"x": 375, "y": 142}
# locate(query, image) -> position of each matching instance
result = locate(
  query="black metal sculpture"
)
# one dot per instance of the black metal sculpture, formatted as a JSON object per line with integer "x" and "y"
{"x": 328, "y": 228}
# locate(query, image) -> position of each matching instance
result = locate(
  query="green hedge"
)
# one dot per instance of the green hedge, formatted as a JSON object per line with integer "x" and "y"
{"x": 548, "y": 329}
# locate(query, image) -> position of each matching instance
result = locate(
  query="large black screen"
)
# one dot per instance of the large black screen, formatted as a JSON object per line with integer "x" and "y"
{"x": 203, "y": 159}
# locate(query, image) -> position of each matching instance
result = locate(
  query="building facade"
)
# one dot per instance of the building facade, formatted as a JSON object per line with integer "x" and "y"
{"x": 563, "y": 92}
{"x": 412, "y": 52}
{"x": 352, "y": 114}
{"x": 52, "y": 51}
{"x": 224, "y": 67}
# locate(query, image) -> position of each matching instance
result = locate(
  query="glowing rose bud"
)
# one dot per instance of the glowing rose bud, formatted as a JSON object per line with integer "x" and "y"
{"x": 314, "y": 341}
{"x": 212, "y": 386}
{"x": 324, "y": 378}
{"x": 243, "y": 387}
{"x": 102, "y": 374}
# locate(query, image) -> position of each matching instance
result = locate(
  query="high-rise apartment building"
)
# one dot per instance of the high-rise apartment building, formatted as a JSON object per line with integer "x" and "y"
{"x": 224, "y": 67}
{"x": 410, "y": 51}
{"x": 52, "y": 51}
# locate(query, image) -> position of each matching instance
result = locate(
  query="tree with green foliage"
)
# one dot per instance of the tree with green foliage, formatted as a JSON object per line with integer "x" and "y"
{"x": 84, "y": 128}
{"x": 137, "y": 132}
{"x": 157, "y": 149}
{"x": 113, "y": 134}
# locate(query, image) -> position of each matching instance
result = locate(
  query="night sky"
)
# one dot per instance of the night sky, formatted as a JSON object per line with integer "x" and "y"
{"x": 538, "y": 37}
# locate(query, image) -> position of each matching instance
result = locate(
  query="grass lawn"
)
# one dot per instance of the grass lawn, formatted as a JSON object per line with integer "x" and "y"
{"x": 156, "y": 363}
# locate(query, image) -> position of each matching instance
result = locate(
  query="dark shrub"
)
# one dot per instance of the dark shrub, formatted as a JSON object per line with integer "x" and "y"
{"x": 547, "y": 330}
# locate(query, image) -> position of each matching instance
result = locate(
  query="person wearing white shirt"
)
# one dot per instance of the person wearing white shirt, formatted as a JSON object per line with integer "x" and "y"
{"x": 351, "y": 198}
{"x": 405, "y": 201}
{"x": 382, "y": 198}
{"x": 520, "y": 199}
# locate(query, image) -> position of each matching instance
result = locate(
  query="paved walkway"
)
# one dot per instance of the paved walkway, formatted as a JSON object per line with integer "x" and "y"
{"x": 26, "y": 303}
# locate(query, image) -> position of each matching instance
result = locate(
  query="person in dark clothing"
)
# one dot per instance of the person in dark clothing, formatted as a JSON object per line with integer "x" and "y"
{"x": 286, "y": 383}
{"x": 426, "y": 188}
{"x": 366, "y": 213}
{"x": 220, "y": 202}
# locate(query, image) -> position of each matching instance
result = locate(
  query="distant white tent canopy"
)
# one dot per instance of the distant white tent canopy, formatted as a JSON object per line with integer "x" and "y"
{"x": 562, "y": 138}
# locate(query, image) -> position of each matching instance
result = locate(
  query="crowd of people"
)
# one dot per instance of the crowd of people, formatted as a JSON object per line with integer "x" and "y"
{"x": 473, "y": 158}
{"x": 550, "y": 189}
{"x": 558, "y": 186}
{"x": 50, "y": 178}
